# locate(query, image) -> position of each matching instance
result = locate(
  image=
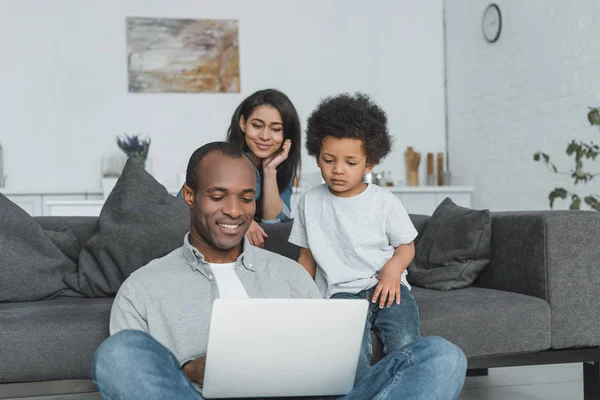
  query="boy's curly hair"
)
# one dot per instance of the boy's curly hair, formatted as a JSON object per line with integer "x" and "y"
{"x": 350, "y": 116}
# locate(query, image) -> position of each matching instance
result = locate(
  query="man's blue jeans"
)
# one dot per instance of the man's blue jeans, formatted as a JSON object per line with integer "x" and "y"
{"x": 398, "y": 325}
{"x": 132, "y": 365}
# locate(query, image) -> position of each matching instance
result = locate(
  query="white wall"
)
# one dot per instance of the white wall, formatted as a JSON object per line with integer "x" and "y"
{"x": 527, "y": 92}
{"x": 64, "y": 94}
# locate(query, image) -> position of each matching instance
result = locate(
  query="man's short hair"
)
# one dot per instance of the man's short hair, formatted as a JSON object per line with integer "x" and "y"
{"x": 227, "y": 149}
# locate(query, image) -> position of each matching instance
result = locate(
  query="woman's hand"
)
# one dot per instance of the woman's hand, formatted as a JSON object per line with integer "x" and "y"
{"x": 256, "y": 235}
{"x": 280, "y": 156}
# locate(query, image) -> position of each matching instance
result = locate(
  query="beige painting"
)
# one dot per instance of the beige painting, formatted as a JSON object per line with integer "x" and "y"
{"x": 182, "y": 55}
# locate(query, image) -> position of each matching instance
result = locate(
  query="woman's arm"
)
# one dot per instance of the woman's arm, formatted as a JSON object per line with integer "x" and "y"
{"x": 286, "y": 213}
{"x": 307, "y": 261}
{"x": 272, "y": 205}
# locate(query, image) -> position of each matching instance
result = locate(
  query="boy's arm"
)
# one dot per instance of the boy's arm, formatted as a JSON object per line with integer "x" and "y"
{"x": 403, "y": 256}
{"x": 390, "y": 276}
{"x": 307, "y": 261}
{"x": 299, "y": 237}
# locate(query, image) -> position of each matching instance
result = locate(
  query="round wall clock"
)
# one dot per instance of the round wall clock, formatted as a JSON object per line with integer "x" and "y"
{"x": 492, "y": 23}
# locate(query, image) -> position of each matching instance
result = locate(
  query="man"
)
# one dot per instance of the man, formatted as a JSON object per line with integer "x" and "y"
{"x": 161, "y": 314}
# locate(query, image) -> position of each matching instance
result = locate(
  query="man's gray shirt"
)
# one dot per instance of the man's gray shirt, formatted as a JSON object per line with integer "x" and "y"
{"x": 171, "y": 297}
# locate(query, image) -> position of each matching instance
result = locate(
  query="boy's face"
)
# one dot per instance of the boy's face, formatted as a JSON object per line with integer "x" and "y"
{"x": 343, "y": 163}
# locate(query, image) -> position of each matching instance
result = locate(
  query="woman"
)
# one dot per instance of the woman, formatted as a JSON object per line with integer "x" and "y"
{"x": 267, "y": 128}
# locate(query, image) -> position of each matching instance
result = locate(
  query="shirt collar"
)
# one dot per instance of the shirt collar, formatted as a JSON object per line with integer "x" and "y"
{"x": 196, "y": 261}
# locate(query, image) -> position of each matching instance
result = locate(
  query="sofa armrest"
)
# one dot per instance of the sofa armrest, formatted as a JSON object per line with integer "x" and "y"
{"x": 553, "y": 255}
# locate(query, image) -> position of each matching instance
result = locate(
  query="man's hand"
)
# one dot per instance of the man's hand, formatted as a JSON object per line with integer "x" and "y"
{"x": 194, "y": 370}
{"x": 388, "y": 287}
{"x": 256, "y": 235}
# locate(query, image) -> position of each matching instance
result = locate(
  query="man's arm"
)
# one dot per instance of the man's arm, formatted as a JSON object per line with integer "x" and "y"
{"x": 127, "y": 311}
{"x": 307, "y": 261}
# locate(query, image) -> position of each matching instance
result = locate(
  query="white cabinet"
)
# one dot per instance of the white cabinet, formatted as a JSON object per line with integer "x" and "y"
{"x": 420, "y": 199}
{"x": 416, "y": 200}
{"x": 42, "y": 203}
{"x": 32, "y": 204}
{"x": 74, "y": 208}
{"x": 424, "y": 200}
{"x": 47, "y": 199}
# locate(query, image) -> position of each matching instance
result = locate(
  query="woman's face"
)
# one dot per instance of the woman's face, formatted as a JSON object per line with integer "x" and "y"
{"x": 264, "y": 131}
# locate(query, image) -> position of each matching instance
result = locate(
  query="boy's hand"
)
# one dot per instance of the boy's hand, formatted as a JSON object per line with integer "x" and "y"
{"x": 388, "y": 287}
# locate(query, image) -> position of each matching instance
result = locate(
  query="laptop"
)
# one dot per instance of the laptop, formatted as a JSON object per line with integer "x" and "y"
{"x": 283, "y": 347}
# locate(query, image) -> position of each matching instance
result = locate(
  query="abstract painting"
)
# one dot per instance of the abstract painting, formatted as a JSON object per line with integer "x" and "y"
{"x": 182, "y": 55}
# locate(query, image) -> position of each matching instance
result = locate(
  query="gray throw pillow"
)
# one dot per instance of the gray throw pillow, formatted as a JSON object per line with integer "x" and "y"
{"x": 31, "y": 264}
{"x": 454, "y": 248}
{"x": 139, "y": 222}
{"x": 65, "y": 239}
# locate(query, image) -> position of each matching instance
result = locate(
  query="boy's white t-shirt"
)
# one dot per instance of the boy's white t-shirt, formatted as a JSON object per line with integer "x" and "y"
{"x": 351, "y": 238}
{"x": 228, "y": 282}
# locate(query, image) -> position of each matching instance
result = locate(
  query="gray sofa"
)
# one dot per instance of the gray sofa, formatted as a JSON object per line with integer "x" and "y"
{"x": 537, "y": 302}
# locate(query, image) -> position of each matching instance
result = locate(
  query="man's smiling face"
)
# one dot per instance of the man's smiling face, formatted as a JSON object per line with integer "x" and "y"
{"x": 224, "y": 205}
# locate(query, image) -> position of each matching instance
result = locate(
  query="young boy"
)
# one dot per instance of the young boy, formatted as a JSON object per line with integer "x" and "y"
{"x": 356, "y": 239}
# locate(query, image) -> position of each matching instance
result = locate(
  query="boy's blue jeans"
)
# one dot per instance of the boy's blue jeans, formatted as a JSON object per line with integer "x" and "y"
{"x": 133, "y": 365}
{"x": 398, "y": 325}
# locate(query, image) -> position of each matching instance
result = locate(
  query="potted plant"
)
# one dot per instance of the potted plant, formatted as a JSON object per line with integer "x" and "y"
{"x": 135, "y": 148}
{"x": 112, "y": 166}
{"x": 580, "y": 151}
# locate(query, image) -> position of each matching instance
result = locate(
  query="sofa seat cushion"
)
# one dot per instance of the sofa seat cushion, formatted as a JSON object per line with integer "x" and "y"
{"x": 51, "y": 339}
{"x": 485, "y": 321}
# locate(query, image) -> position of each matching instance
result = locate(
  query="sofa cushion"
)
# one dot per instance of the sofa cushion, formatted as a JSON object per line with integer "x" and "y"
{"x": 454, "y": 248}
{"x": 65, "y": 239}
{"x": 51, "y": 339}
{"x": 139, "y": 222}
{"x": 31, "y": 264}
{"x": 83, "y": 227}
{"x": 277, "y": 240}
{"x": 485, "y": 321}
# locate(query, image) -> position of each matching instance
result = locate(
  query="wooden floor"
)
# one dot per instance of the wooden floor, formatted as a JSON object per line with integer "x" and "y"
{"x": 546, "y": 382}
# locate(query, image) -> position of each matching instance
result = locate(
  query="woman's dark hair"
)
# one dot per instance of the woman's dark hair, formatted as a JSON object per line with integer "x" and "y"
{"x": 349, "y": 116}
{"x": 290, "y": 168}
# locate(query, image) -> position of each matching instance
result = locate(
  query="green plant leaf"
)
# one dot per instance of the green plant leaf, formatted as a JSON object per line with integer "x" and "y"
{"x": 580, "y": 151}
{"x": 557, "y": 193}
{"x": 593, "y": 202}
{"x": 575, "y": 203}
{"x": 573, "y": 147}
{"x": 594, "y": 116}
